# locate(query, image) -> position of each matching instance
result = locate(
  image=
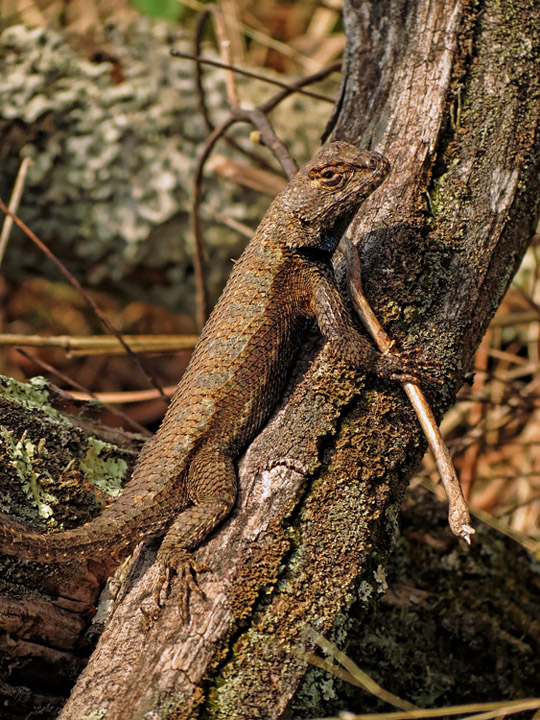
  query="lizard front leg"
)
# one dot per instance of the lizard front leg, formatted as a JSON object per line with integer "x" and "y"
{"x": 337, "y": 327}
{"x": 211, "y": 484}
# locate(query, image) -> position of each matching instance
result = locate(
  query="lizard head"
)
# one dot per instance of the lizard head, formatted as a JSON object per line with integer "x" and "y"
{"x": 326, "y": 193}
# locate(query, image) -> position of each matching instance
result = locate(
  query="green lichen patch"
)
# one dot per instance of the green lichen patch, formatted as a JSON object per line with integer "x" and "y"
{"x": 27, "y": 459}
{"x": 32, "y": 395}
{"x": 104, "y": 469}
{"x": 50, "y": 470}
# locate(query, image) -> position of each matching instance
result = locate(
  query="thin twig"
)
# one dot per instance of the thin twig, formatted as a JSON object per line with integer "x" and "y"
{"x": 122, "y": 397}
{"x": 297, "y": 86}
{"x": 199, "y": 264}
{"x": 280, "y": 152}
{"x": 77, "y": 285}
{"x": 269, "y": 139}
{"x": 262, "y": 181}
{"x": 102, "y": 344}
{"x": 201, "y": 97}
{"x": 292, "y": 87}
{"x": 70, "y": 381}
{"x": 14, "y": 204}
{"x": 226, "y": 56}
{"x": 260, "y": 37}
{"x": 257, "y": 118}
{"x": 239, "y": 227}
{"x": 458, "y": 513}
{"x": 230, "y": 85}
{"x": 357, "y": 676}
{"x": 224, "y": 46}
{"x": 492, "y": 710}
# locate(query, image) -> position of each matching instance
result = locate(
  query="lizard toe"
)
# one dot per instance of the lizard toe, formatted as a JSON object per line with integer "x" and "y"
{"x": 183, "y": 565}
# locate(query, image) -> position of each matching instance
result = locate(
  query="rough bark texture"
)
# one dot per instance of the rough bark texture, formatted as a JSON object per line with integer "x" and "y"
{"x": 453, "y": 624}
{"x": 449, "y": 92}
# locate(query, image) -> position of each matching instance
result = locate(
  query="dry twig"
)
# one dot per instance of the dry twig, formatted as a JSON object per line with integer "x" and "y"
{"x": 77, "y": 285}
{"x": 260, "y": 76}
{"x": 13, "y": 204}
{"x": 102, "y": 344}
{"x": 70, "y": 381}
{"x": 458, "y": 513}
{"x": 267, "y": 136}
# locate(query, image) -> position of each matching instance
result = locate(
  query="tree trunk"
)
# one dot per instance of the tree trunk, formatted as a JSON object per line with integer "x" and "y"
{"x": 449, "y": 92}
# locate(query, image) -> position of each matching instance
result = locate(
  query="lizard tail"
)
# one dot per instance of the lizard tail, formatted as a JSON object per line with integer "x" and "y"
{"x": 140, "y": 513}
{"x": 144, "y": 510}
{"x": 95, "y": 539}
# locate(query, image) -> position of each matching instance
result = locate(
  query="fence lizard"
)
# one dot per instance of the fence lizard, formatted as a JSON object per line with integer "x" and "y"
{"x": 184, "y": 483}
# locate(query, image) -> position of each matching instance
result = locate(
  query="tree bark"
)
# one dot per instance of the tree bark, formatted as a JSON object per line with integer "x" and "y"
{"x": 449, "y": 92}
{"x": 50, "y": 458}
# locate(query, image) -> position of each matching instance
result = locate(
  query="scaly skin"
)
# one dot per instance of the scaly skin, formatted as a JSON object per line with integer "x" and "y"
{"x": 184, "y": 483}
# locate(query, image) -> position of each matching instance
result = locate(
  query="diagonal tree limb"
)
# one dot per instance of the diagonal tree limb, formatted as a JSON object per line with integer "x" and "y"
{"x": 322, "y": 484}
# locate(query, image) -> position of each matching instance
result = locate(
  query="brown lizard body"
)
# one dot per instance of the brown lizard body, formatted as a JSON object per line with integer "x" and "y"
{"x": 184, "y": 483}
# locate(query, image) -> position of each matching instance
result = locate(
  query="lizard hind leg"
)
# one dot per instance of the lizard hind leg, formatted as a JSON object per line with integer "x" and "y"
{"x": 211, "y": 484}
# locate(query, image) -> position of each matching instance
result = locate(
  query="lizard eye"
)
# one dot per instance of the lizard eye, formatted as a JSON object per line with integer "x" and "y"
{"x": 331, "y": 178}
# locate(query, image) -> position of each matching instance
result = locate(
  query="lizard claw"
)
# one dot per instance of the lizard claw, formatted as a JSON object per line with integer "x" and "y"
{"x": 407, "y": 366}
{"x": 185, "y": 567}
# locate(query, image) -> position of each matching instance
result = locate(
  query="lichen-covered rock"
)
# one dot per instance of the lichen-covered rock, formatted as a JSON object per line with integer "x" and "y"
{"x": 115, "y": 133}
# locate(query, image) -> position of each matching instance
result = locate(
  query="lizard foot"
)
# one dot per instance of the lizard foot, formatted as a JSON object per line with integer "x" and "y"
{"x": 185, "y": 567}
{"x": 408, "y": 366}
